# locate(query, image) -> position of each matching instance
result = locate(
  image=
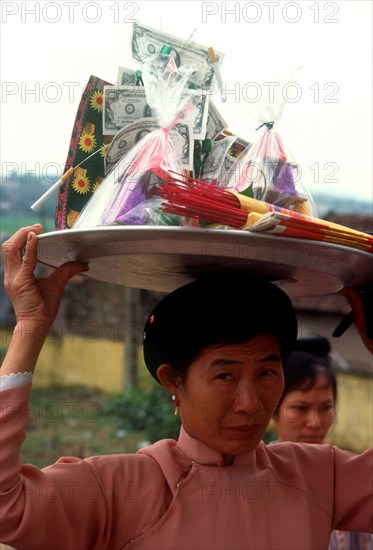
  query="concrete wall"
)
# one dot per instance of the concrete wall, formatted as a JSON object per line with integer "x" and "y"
{"x": 93, "y": 362}
{"x": 353, "y": 426}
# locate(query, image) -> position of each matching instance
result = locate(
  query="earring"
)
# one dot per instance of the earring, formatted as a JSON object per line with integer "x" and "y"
{"x": 176, "y": 403}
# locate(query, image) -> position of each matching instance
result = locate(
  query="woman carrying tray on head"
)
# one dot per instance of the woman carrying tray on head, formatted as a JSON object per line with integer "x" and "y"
{"x": 217, "y": 345}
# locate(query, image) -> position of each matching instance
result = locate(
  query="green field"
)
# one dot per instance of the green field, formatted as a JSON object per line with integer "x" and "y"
{"x": 74, "y": 422}
{"x": 9, "y": 225}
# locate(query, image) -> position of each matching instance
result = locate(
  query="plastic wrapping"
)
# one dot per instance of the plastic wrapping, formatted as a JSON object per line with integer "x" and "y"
{"x": 149, "y": 212}
{"x": 153, "y": 158}
{"x": 267, "y": 171}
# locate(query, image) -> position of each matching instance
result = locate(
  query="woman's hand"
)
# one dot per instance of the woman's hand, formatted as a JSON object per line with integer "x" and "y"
{"x": 362, "y": 307}
{"x": 35, "y": 301}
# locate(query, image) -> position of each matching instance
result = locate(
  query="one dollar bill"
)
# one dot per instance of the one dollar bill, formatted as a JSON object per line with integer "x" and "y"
{"x": 125, "y": 139}
{"x": 126, "y": 104}
{"x": 215, "y": 122}
{"x": 126, "y": 77}
{"x": 147, "y": 41}
{"x": 214, "y": 163}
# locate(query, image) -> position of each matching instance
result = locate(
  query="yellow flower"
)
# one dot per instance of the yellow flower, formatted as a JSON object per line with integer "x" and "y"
{"x": 71, "y": 217}
{"x": 97, "y": 183}
{"x": 87, "y": 142}
{"x": 105, "y": 145}
{"x": 81, "y": 183}
{"x": 104, "y": 150}
{"x": 97, "y": 99}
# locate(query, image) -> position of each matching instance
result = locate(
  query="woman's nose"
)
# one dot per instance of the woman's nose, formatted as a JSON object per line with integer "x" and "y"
{"x": 247, "y": 400}
{"x": 313, "y": 418}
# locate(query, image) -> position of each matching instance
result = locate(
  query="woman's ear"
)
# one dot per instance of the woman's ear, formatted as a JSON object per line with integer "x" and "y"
{"x": 168, "y": 378}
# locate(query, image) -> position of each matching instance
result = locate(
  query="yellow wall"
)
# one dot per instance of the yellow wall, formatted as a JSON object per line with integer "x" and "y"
{"x": 82, "y": 362}
{"x": 95, "y": 364}
{"x": 353, "y": 428}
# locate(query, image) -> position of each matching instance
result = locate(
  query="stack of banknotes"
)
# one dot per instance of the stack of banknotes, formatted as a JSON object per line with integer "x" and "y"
{"x": 199, "y": 138}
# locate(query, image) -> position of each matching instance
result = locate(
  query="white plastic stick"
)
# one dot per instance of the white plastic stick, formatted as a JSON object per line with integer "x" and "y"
{"x": 62, "y": 179}
{"x": 55, "y": 186}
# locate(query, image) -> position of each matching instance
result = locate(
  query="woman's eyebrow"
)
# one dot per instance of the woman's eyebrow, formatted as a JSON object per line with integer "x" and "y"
{"x": 219, "y": 361}
{"x": 270, "y": 358}
{"x": 309, "y": 402}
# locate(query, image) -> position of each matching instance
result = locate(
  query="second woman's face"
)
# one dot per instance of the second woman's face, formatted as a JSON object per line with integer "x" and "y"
{"x": 306, "y": 416}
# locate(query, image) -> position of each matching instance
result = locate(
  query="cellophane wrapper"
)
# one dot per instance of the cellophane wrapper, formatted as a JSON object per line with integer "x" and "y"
{"x": 267, "y": 171}
{"x": 152, "y": 159}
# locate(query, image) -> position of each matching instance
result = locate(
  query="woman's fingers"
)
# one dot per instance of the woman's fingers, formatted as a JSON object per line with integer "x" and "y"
{"x": 29, "y": 259}
{"x": 62, "y": 274}
{"x": 20, "y": 256}
{"x": 12, "y": 248}
{"x": 52, "y": 287}
{"x": 35, "y": 299}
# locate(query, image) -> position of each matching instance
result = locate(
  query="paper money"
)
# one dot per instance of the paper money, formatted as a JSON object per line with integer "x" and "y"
{"x": 181, "y": 137}
{"x": 126, "y": 77}
{"x": 147, "y": 41}
{"x": 124, "y": 105}
{"x": 198, "y": 114}
{"x": 214, "y": 163}
{"x": 126, "y": 138}
{"x": 215, "y": 122}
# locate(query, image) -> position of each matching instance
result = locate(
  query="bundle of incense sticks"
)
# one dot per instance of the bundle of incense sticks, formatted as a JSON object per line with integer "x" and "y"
{"x": 207, "y": 203}
{"x": 282, "y": 224}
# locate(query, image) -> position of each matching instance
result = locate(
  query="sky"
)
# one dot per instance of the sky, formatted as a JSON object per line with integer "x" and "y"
{"x": 314, "y": 59}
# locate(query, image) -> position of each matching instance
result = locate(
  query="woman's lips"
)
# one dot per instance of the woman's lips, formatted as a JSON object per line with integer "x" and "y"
{"x": 244, "y": 430}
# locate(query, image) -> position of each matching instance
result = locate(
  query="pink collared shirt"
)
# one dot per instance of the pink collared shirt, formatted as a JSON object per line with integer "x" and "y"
{"x": 179, "y": 495}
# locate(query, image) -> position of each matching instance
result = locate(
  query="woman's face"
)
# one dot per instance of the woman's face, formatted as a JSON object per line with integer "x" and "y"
{"x": 230, "y": 393}
{"x": 305, "y": 416}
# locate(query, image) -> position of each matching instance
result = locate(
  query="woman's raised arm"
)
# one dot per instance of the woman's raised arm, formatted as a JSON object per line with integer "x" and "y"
{"x": 35, "y": 301}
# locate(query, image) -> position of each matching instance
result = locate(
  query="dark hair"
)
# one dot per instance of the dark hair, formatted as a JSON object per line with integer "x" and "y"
{"x": 222, "y": 309}
{"x": 303, "y": 366}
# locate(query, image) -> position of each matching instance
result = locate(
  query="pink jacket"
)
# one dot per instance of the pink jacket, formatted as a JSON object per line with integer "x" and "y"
{"x": 178, "y": 495}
